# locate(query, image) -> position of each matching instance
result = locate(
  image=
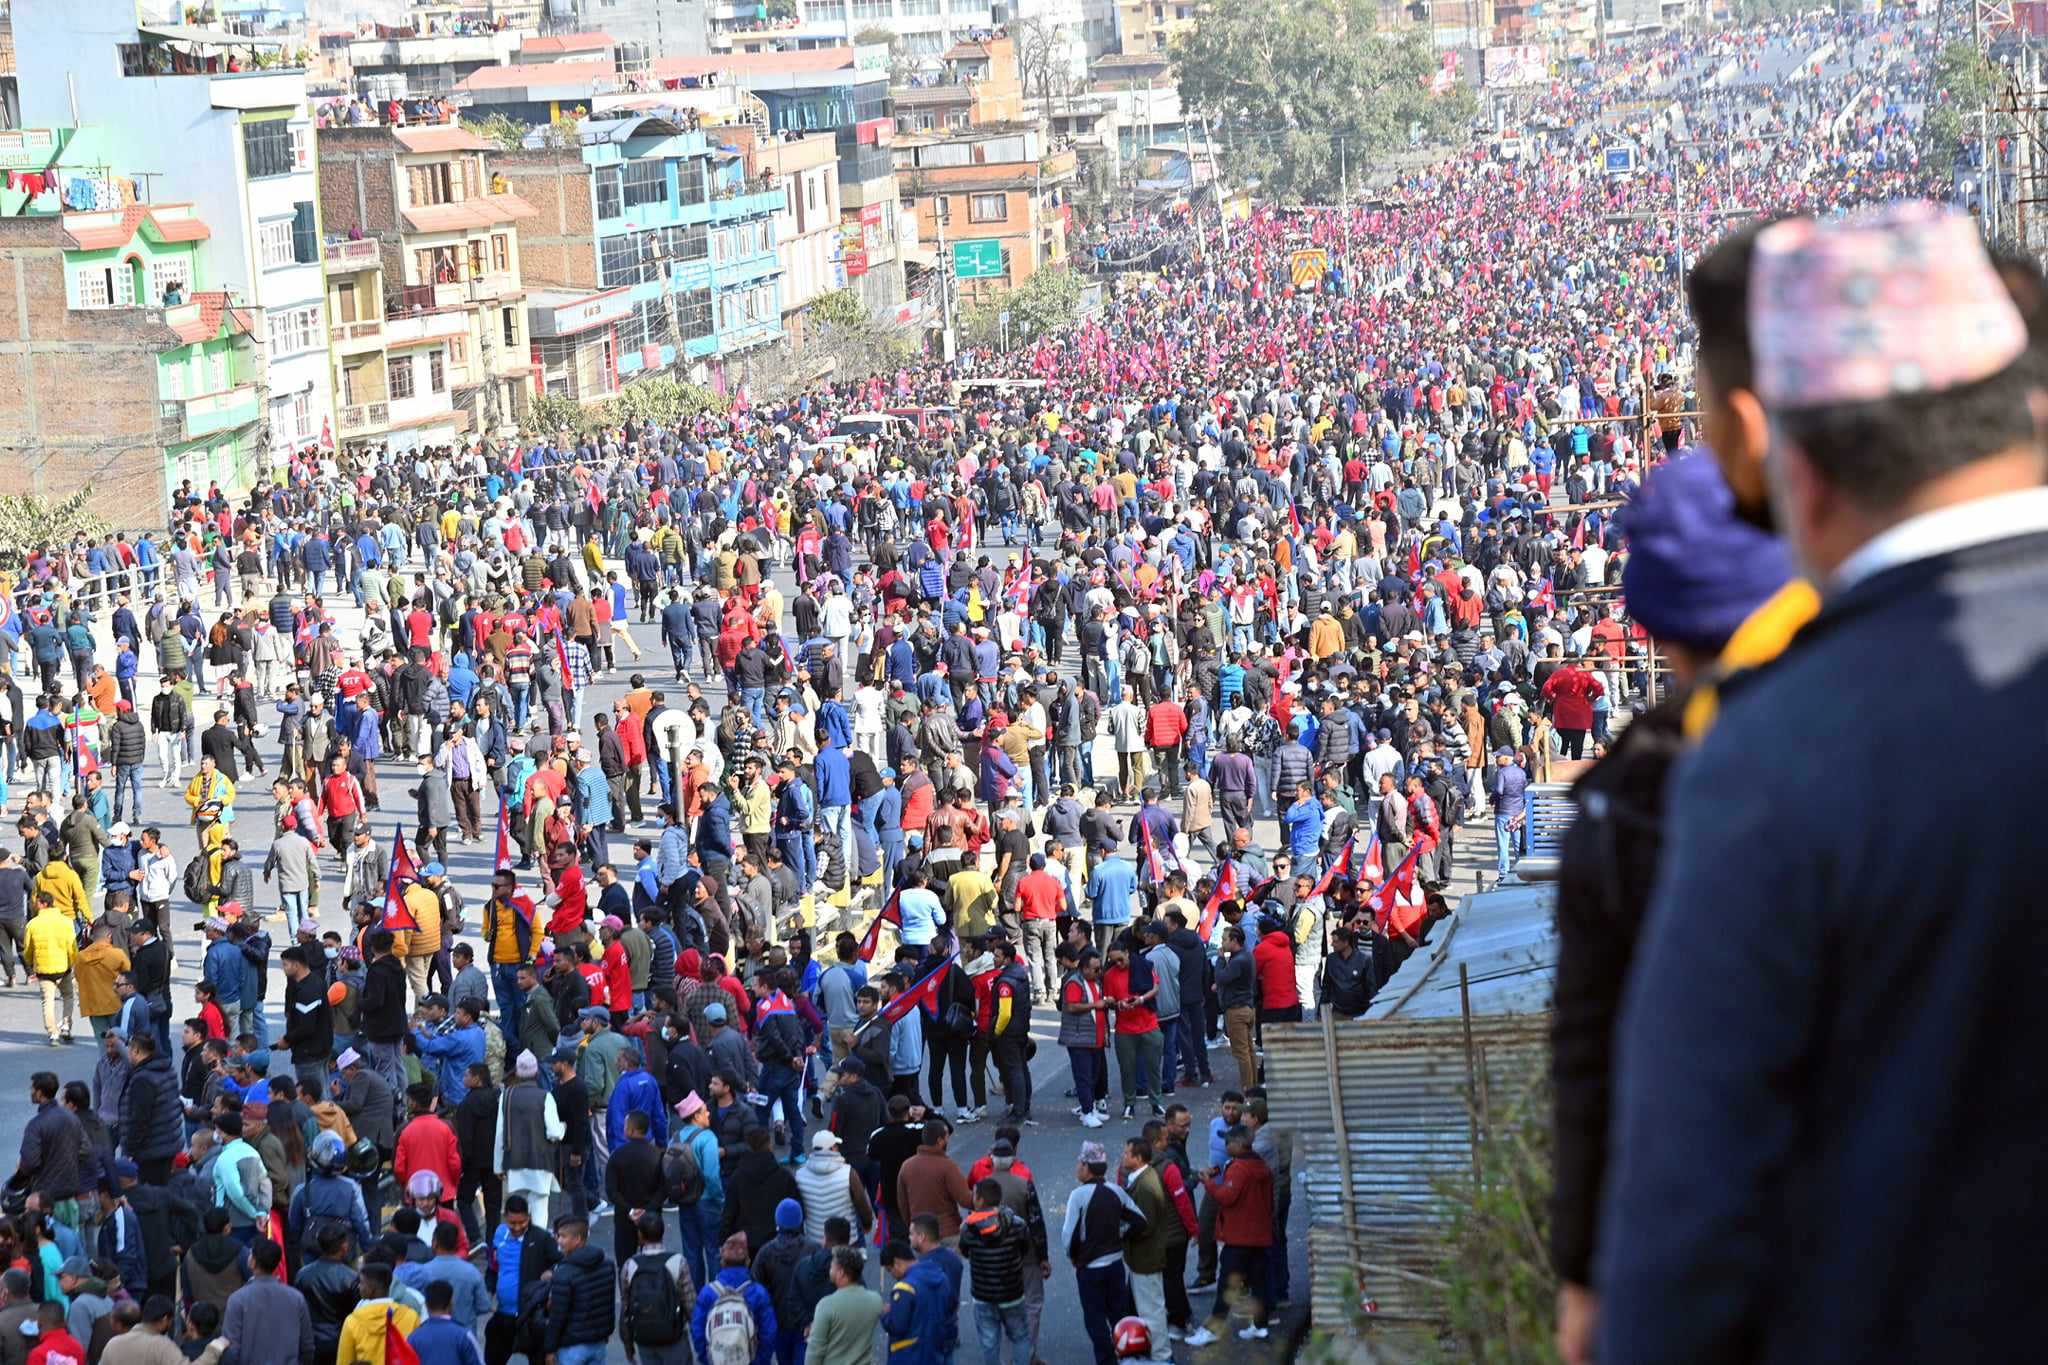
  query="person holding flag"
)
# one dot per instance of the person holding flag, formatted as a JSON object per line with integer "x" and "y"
{"x": 508, "y": 932}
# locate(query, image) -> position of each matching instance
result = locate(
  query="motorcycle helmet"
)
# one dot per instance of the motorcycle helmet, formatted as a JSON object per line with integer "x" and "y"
{"x": 1132, "y": 1339}
{"x": 423, "y": 1185}
{"x": 328, "y": 1155}
{"x": 364, "y": 1158}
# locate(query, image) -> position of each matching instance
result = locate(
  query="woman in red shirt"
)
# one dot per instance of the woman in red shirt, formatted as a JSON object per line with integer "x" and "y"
{"x": 618, "y": 975}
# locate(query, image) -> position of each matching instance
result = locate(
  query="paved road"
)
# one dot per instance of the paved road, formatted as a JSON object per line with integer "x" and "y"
{"x": 1050, "y": 1149}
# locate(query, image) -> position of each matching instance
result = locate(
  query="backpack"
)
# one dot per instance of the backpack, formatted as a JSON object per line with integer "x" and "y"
{"x": 682, "y": 1179}
{"x": 653, "y": 1309}
{"x": 198, "y": 887}
{"x": 729, "y": 1333}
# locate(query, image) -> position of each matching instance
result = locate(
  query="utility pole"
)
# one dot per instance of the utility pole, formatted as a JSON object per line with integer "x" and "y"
{"x": 946, "y": 341}
{"x": 1216, "y": 182}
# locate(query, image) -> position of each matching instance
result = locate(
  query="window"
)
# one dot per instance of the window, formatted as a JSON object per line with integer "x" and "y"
{"x": 617, "y": 260}
{"x": 721, "y": 247}
{"x": 825, "y": 11}
{"x": 267, "y": 148}
{"x": 476, "y": 259}
{"x": 305, "y": 234}
{"x": 811, "y": 193}
{"x": 609, "y": 204}
{"x": 693, "y": 307}
{"x": 870, "y": 9}
{"x": 501, "y": 252}
{"x": 301, "y": 416}
{"x": 437, "y": 265}
{"x": 987, "y": 208}
{"x": 173, "y": 380}
{"x": 920, "y": 9}
{"x": 689, "y": 182}
{"x": 509, "y": 317}
{"x": 430, "y": 184}
{"x": 294, "y": 330}
{"x": 345, "y": 303}
{"x": 398, "y": 376}
{"x": 645, "y": 183}
{"x": 789, "y": 198}
{"x": 164, "y": 274}
{"x": 274, "y": 244}
{"x": 458, "y": 351}
{"x": 101, "y": 286}
{"x": 302, "y": 148}
{"x": 217, "y": 372}
{"x": 437, "y": 372}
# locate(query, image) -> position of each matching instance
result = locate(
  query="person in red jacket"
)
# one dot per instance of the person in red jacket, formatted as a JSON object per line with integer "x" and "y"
{"x": 426, "y": 1142}
{"x": 1166, "y": 725}
{"x": 1571, "y": 692}
{"x": 1273, "y": 970}
{"x": 1243, "y": 1192}
{"x": 618, "y": 974}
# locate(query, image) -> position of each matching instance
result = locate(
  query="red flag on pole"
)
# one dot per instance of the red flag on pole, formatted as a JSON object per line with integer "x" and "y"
{"x": 1153, "y": 865}
{"x": 397, "y": 1350}
{"x": 397, "y": 918}
{"x": 890, "y": 913}
{"x": 1340, "y": 866}
{"x": 1397, "y": 906}
{"x": 504, "y": 854}
{"x": 1226, "y": 887}
{"x": 925, "y": 993}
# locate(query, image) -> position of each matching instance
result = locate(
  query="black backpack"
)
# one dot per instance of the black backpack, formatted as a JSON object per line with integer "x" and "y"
{"x": 197, "y": 885}
{"x": 682, "y": 1179}
{"x": 654, "y": 1312}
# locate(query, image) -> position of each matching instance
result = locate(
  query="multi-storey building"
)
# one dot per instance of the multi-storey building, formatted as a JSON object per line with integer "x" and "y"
{"x": 651, "y": 250}
{"x": 223, "y": 123}
{"x": 427, "y": 328}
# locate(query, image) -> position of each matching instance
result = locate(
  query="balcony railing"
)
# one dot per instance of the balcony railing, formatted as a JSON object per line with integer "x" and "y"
{"x": 361, "y": 254}
{"x": 346, "y": 333}
{"x": 361, "y": 417}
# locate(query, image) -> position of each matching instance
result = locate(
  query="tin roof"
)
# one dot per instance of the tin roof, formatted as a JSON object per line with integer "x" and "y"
{"x": 1506, "y": 942}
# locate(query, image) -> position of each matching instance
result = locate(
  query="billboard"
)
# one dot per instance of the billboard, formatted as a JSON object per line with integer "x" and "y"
{"x": 1517, "y": 64}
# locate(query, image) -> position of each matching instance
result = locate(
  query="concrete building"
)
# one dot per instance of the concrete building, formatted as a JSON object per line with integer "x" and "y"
{"x": 1144, "y": 26}
{"x": 431, "y": 63}
{"x": 805, "y": 169}
{"x": 653, "y": 28}
{"x": 981, "y": 85}
{"x": 237, "y": 144}
{"x": 920, "y": 31}
{"x": 121, "y": 370}
{"x": 1001, "y": 191}
{"x": 651, "y": 250}
{"x": 428, "y": 334}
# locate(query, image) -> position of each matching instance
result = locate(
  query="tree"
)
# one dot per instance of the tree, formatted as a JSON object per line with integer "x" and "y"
{"x": 1042, "y": 67}
{"x": 1047, "y": 301}
{"x": 498, "y": 128}
{"x": 28, "y": 524}
{"x": 840, "y": 337}
{"x": 1964, "y": 82}
{"x": 901, "y": 66}
{"x": 1300, "y": 91}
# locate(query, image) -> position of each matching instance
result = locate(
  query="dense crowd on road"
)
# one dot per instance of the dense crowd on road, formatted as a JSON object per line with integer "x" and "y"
{"x": 934, "y": 733}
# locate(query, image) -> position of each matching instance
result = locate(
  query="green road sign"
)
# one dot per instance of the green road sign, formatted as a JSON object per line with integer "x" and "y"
{"x": 978, "y": 260}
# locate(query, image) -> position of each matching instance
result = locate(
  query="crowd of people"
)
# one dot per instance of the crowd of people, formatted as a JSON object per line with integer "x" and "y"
{"x": 1133, "y": 701}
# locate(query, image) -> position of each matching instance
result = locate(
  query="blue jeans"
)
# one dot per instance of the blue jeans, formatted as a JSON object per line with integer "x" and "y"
{"x": 1508, "y": 843}
{"x": 505, "y": 981}
{"x": 293, "y": 904}
{"x": 585, "y": 1353}
{"x": 750, "y": 697}
{"x": 698, "y": 1225}
{"x": 522, "y": 699}
{"x": 839, "y": 819}
{"x": 800, "y": 854}
{"x": 128, "y": 778}
{"x": 779, "y": 1082}
{"x": 993, "y": 1322}
{"x": 1169, "y": 1043}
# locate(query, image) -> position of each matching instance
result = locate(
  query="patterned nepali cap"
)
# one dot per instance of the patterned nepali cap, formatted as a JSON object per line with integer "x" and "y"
{"x": 1897, "y": 300}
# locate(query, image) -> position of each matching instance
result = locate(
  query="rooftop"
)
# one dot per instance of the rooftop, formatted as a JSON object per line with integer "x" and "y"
{"x": 484, "y": 211}
{"x": 754, "y": 63}
{"x": 538, "y": 73}
{"x": 446, "y": 137}
{"x": 562, "y": 43}
{"x": 98, "y": 231}
{"x": 199, "y": 317}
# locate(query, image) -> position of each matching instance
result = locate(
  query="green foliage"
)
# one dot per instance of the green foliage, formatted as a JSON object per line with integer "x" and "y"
{"x": 1964, "y": 82}
{"x": 840, "y": 308}
{"x": 1047, "y": 301}
{"x": 28, "y": 524}
{"x": 1500, "y": 1294}
{"x": 660, "y": 399}
{"x": 1297, "y": 91}
{"x": 499, "y": 129}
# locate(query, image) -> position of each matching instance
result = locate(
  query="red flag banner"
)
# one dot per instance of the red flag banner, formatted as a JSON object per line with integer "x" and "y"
{"x": 890, "y": 913}
{"x": 1397, "y": 906}
{"x": 1226, "y": 888}
{"x": 1153, "y": 866}
{"x": 397, "y": 1350}
{"x": 1340, "y": 866}
{"x": 925, "y": 993}
{"x": 397, "y": 918}
{"x": 504, "y": 853}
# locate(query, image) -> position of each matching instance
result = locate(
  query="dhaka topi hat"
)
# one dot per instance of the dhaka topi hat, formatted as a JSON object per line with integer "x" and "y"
{"x": 1897, "y": 300}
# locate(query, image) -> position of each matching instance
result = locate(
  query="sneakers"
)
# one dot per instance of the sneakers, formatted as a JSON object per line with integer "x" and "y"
{"x": 1252, "y": 1333}
{"x": 963, "y": 1116}
{"x": 1158, "y": 1110}
{"x": 1092, "y": 1120}
{"x": 602, "y": 1208}
{"x": 1128, "y": 1109}
{"x": 1201, "y": 1336}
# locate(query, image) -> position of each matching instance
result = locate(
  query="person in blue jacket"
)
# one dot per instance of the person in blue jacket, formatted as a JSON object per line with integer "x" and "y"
{"x": 923, "y": 1316}
{"x": 733, "y": 1277}
{"x": 450, "y": 1048}
{"x": 635, "y": 1089}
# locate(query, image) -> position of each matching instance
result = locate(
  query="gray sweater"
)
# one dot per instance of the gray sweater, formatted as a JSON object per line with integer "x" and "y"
{"x": 267, "y": 1323}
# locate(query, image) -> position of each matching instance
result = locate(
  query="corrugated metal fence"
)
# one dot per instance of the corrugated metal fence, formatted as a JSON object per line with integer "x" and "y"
{"x": 1383, "y": 1113}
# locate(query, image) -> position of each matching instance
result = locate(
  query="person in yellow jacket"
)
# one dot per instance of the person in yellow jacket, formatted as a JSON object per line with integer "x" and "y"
{"x": 418, "y": 948}
{"x": 93, "y": 972}
{"x": 210, "y": 788}
{"x": 48, "y": 950}
{"x": 363, "y": 1330}
{"x": 63, "y": 887}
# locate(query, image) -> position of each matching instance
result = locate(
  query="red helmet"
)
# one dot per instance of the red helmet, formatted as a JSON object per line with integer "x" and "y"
{"x": 1133, "y": 1339}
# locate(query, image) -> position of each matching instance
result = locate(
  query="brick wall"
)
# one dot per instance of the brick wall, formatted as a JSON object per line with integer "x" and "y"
{"x": 557, "y": 246}
{"x": 358, "y": 189}
{"x": 78, "y": 395}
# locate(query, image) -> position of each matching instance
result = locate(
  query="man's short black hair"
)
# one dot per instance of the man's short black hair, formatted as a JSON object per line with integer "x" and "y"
{"x": 1717, "y": 289}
